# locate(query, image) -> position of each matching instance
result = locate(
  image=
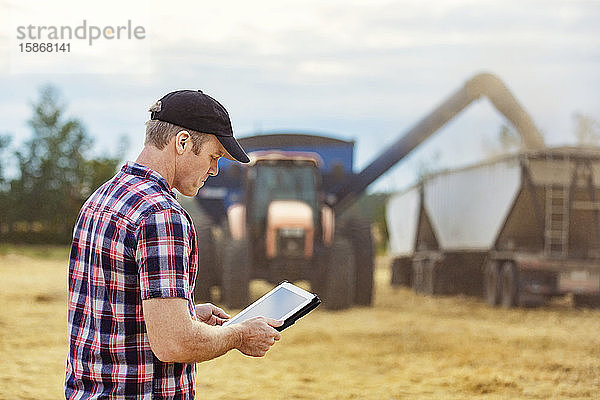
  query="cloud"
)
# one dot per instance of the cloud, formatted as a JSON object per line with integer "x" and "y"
{"x": 89, "y": 38}
{"x": 352, "y": 68}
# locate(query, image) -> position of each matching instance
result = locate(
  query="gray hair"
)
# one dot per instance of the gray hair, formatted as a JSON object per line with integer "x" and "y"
{"x": 158, "y": 133}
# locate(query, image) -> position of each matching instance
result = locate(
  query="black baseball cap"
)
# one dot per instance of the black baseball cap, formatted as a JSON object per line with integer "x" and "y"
{"x": 197, "y": 111}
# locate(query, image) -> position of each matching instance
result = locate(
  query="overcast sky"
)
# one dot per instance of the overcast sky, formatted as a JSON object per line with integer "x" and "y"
{"x": 362, "y": 70}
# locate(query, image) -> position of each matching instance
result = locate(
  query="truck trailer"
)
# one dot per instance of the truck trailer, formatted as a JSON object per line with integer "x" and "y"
{"x": 516, "y": 230}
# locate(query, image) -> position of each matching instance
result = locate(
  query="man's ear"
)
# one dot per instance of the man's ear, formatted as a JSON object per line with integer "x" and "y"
{"x": 182, "y": 140}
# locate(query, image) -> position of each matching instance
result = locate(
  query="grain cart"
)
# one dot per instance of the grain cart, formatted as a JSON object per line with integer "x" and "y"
{"x": 279, "y": 216}
{"x": 518, "y": 229}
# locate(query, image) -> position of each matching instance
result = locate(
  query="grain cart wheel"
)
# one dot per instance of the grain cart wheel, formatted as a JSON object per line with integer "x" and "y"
{"x": 491, "y": 283}
{"x": 361, "y": 240}
{"x": 509, "y": 285}
{"x": 586, "y": 300}
{"x": 418, "y": 275}
{"x": 437, "y": 277}
{"x": 402, "y": 272}
{"x": 339, "y": 276}
{"x": 207, "y": 264}
{"x": 236, "y": 275}
{"x": 426, "y": 277}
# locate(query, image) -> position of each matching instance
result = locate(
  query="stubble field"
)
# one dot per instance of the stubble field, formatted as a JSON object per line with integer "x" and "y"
{"x": 405, "y": 347}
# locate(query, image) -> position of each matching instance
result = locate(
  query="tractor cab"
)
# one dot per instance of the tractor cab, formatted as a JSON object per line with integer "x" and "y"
{"x": 282, "y": 204}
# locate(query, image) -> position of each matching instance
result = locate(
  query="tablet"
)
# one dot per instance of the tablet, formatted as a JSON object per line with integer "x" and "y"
{"x": 286, "y": 302}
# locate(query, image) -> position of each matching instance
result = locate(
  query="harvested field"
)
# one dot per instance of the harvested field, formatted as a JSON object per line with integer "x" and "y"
{"x": 406, "y": 347}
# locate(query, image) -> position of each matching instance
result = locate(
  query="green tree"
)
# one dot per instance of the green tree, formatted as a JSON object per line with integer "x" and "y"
{"x": 4, "y": 142}
{"x": 507, "y": 141}
{"x": 56, "y": 174}
{"x": 587, "y": 130}
{"x": 510, "y": 139}
{"x": 372, "y": 207}
{"x": 4, "y": 192}
{"x": 428, "y": 166}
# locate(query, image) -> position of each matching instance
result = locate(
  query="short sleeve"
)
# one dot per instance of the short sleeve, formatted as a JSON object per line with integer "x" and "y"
{"x": 163, "y": 255}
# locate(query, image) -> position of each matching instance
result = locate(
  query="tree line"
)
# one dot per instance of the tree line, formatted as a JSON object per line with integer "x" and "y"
{"x": 45, "y": 180}
{"x": 53, "y": 173}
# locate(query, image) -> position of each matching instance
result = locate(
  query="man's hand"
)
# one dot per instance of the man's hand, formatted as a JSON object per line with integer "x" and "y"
{"x": 175, "y": 337}
{"x": 257, "y": 335}
{"x": 211, "y": 314}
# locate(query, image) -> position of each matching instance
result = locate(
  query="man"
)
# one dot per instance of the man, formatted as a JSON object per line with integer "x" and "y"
{"x": 134, "y": 330}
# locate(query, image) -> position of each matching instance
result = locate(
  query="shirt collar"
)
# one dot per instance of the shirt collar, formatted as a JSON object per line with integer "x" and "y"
{"x": 133, "y": 168}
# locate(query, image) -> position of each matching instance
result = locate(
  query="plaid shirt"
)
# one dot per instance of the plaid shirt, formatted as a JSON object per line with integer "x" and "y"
{"x": 132, "y": 242}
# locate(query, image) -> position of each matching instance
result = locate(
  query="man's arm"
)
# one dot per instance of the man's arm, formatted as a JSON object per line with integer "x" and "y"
{"x": 175, "y": 337}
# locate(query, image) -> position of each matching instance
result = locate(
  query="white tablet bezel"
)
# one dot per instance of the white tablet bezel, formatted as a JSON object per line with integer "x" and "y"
{"x": 308, "y": 297}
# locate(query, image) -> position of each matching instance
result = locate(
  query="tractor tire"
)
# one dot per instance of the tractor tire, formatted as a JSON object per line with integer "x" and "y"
{"x": 207, "y": 265}
{"x": 491, "y": 283}
{"x": 338, "y": 276}
{"x": 236, "y": 275}
{"x": 361, "y": 240}
{"x": 318, "y": 276}
{"x": 509, "y": 279}
{"x": 206, "y": 275}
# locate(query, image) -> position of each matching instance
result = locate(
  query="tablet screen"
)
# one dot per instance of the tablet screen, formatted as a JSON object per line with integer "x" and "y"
{"x": 278, "y": 304}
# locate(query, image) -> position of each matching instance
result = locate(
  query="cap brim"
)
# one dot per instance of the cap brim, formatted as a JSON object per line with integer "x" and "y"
{"x": 234, "y": 150}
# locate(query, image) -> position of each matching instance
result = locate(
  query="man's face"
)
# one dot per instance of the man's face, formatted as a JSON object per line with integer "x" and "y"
{"x": 192, "y": 170}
